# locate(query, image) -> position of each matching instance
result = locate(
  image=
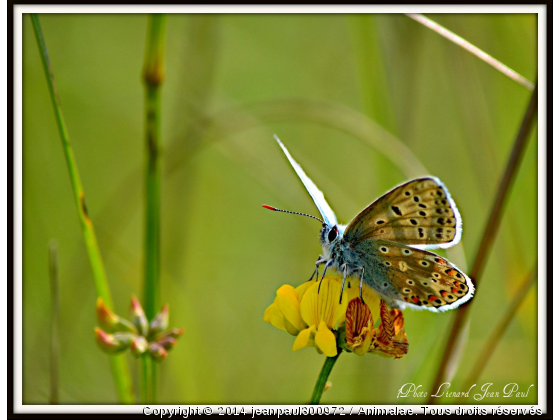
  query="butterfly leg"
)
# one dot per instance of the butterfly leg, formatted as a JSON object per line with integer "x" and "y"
{"x": 362, "y": 282}
{"x": 319, "y": 261}
{"x": 327, "y": 265}
{"x": 345, "y": 271}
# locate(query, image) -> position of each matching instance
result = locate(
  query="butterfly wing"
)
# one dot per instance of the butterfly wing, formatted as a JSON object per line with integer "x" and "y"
{"x": 419, "y": 213}
{"x": 414, "y": 277}
{"x": 326, "y": 212}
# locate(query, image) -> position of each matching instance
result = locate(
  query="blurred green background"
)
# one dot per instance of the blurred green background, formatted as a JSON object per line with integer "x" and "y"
{"x": 347, "y": 94}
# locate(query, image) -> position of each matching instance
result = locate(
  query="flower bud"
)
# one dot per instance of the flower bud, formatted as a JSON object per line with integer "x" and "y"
{"x": 167, "y": 342}
{"x": 138, "y": 317}
{"x": 160, "y": 322}
{"x": 113, "y": 343}
{"x": 139, "y": 346}
{"x": 112, "y": 322}
{"x": 106, "y": 318}
{"x": 157, "y": 351}
{"x": 174, "y": 332}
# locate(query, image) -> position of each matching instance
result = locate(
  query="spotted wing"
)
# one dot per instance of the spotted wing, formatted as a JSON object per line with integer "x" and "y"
{"x": 418, "y": 278}
{"x": 318, "y": 198}
{"x": 420, "y": 213}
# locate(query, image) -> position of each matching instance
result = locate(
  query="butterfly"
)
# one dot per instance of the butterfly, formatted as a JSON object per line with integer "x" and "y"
{"x": 385, "y": 245}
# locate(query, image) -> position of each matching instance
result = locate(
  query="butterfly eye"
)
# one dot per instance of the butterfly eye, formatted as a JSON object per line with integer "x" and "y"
{"x": 333, "y": 233}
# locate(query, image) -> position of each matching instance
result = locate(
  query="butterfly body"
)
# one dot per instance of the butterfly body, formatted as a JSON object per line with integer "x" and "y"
{"x": 357, "y": 259}
{"x": 385, "y": 245}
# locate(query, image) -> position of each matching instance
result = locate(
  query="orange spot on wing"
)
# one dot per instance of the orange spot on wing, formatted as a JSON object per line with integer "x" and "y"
{"x": 432, "y": 298}
{"x": 415, "y": 299}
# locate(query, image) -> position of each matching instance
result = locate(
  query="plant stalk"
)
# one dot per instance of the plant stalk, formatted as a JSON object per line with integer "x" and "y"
{"x": 153, "y": 75}
{"x": 146, "y": 381}
{"x": 489, "y": 235}
{"x": 371, "y": 70}
{"x": 53, "y": 274}
{"x": 497, "y": 334}
{"x": 463, "y": 43}
{"x": 118, "y": 363}
{"x": 322, "y": 379}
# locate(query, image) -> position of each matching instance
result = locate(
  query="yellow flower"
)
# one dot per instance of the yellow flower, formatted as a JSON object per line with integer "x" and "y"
{"x": 314, "y": 314}
{"x": 284, "y": 313}
{"x": 311, "y": 313}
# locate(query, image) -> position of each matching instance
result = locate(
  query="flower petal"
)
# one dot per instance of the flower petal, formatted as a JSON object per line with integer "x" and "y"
{"x": 325, "y": 340}
{"x": 302, "y": 288}
{"x": 304, "y": 339}
{"x": 288, "y": 302}
{"x": 398, "y": 318}
{"x": 387, "y": 328}
{"x": 322, "y": 304}
{"x": 386, "y": 342}
{"x": 359, "y": 327}
{"x": 290, "y": 328}
{"x": 273, "y": 315}
{"x": 370, "y": 297}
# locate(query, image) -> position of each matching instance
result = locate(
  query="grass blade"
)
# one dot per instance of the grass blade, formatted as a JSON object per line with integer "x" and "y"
{"x": 497, "y": 334}
{"x": 118, "y": 363}
{"x": 489, "y": 235}
{"x": 371, "y": 71}
{"x": 53, "y": 275}
{"x": 463, "y": 43}
{"x": 153, "y": 77}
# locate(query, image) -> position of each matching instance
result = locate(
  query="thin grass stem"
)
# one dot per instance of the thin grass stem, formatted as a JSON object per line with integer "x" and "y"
{"x": 53, "y": 276}
{"x": 488, "y": 236}
{"x": 145, "y": 380}
{"x": 463, "y": 43}
{"x": 503, "y": 190}
{"x": 372, "y": 74}
{"x": 118, "y": 363}
{"x": 153, "y": 75}
{"x": 496, "y": 335}
{"x": 322, "y": 379}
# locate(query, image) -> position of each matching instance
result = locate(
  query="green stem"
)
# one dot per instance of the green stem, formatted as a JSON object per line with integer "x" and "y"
{"x": 322, "y": 379}
{"x": 53, "y": 271}
{"x": 372, "y": 74}
{"x": 145, "y": 381}
{"x": 153, "y": 75}
{"x": 118, "y": 363}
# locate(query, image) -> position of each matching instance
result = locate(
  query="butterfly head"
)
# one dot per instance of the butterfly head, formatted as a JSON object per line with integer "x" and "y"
{"x": 330, "y": 234}
{"x": 331, "y": 238}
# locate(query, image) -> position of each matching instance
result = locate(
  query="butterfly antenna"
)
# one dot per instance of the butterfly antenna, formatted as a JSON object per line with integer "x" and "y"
{"x": 266, "y": 206}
